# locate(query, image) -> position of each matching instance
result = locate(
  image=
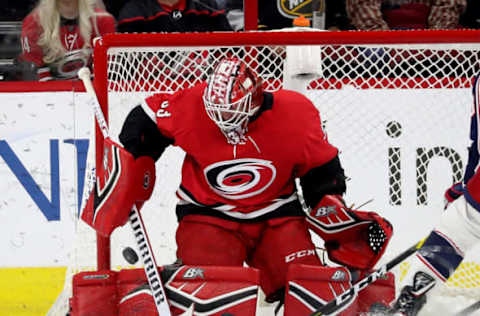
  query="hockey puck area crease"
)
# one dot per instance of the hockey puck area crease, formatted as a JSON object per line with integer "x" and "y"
{"x": 130, "y": 255}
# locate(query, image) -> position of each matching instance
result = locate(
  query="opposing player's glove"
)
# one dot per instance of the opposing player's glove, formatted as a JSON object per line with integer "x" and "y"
{"x": 356, "y": 239}
{"x": 453, "y": 193}
{"x": 121, "y": 182}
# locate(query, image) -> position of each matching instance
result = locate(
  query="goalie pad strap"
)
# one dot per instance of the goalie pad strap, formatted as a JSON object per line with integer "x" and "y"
{"x": 353, "y": 238}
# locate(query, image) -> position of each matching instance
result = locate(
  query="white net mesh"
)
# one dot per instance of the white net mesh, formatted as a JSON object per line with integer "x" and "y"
{"x": 399, "y": 113}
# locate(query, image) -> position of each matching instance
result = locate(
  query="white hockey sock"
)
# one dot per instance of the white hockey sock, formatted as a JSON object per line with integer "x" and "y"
{"x": 461, "y": 224}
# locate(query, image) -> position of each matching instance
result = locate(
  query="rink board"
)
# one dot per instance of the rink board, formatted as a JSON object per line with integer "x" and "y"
{"x": 43, "y": 138}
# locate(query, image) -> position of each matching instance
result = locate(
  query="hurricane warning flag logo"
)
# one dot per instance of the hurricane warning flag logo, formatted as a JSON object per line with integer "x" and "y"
{"x": 240, "y": 178}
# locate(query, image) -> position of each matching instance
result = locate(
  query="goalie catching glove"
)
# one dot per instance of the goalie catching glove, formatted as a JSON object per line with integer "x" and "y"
{"x": 120, "y": 183}
{"x": 356, "y": 239}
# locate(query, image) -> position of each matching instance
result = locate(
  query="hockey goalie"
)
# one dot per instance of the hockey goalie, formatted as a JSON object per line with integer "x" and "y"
{"x": 241, "y": 225}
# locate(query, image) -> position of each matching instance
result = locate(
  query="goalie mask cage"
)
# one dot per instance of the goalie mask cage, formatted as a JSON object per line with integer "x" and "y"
{"x": 396, "y": 104}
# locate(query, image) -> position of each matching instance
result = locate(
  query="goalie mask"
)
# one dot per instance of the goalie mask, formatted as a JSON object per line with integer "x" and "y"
{"x": 233, "y": 94}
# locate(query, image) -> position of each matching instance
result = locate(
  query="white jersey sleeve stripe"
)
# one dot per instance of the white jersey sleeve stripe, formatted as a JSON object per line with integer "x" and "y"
{"x": 148, "y": 111}
{"x": 227, "y": 209}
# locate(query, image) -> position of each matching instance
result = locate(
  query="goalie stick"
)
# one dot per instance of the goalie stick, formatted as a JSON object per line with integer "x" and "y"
{"x": 135, "y": 219}
{"x": 342, "y": 300}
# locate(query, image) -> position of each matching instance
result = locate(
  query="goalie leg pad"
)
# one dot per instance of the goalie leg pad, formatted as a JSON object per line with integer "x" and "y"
{"x": 135, "y": 294}
{"x": 214, "y": 290}
{"x": 138, "y": 302}
{"x": 94, "y": 293}
{"x": 120, "y": 182}
{"x": 311, "y": 287}
{"x": 356, "y": 239}
{"x": 211, "y": 290}
{"x": 379, "y": 293}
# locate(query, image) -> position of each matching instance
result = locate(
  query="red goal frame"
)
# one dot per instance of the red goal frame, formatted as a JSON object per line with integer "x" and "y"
{"x": 249, "y": 38}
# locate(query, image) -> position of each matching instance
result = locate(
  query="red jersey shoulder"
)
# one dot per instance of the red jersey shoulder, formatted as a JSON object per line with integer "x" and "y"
{"x": 295, "y": 109}
{"x": 184, "y": 102}
{"x": 30, "y": 21}
{"x": 178, "y": 112}
{"x": 294, "y": 100}
{"x": 188, "y": 99}
{"x": 158, "y": 101}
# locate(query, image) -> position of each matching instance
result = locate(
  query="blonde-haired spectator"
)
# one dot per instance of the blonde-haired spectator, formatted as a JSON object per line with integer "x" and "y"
{"x": 405, "y": 14}
{"x": 57, "y": 36}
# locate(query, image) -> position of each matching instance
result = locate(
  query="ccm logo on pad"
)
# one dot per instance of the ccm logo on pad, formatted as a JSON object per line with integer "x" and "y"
{"x": 300, "y": 254}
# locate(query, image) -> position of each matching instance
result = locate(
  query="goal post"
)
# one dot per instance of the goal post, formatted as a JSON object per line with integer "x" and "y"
{"x": 396, "y": 103}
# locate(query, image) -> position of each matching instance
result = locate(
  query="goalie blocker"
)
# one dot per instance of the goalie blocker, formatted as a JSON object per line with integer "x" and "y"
{"x": 120, "y": 182}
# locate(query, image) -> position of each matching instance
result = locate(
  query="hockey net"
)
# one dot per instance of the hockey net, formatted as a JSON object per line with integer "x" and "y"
{"x": 396, "y": 104}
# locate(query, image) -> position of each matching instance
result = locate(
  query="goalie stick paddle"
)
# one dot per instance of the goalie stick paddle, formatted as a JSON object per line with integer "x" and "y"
{"x": 138, "y": 227}
{"x": 344, "y": 299}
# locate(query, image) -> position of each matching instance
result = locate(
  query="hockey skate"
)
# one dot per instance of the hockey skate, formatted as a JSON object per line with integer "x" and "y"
{"x": 413, "y": 297}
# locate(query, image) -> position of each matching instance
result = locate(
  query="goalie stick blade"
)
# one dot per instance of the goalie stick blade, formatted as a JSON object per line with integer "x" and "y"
{"x": 344, "y": 299}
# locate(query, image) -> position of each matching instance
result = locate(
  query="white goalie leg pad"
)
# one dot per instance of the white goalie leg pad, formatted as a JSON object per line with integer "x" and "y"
{"x": 445, "y": 247}
{"x": 461, "y": 223}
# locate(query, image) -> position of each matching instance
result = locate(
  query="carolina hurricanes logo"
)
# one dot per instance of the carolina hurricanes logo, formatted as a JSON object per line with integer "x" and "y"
{"x": 240, "y": 178}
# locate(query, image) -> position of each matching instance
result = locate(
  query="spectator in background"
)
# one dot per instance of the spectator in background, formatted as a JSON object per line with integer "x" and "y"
{"x": 112, "y": 6}
{"x": 11, "y": 17}
{"x": 234, "y": 12}
{"x": 405, "y": 14}
{"x": 16, "y": 10}
{"x": 172, "y": 16}
{"x": 272, "y": 16}
{"x": 57, "y": 36}
{"x": 471, "y": 17}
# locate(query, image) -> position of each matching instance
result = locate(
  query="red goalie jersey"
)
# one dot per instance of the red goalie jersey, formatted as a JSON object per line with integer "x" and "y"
{"x": 244, "y": 150}
{"x": 245, "y": 181}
